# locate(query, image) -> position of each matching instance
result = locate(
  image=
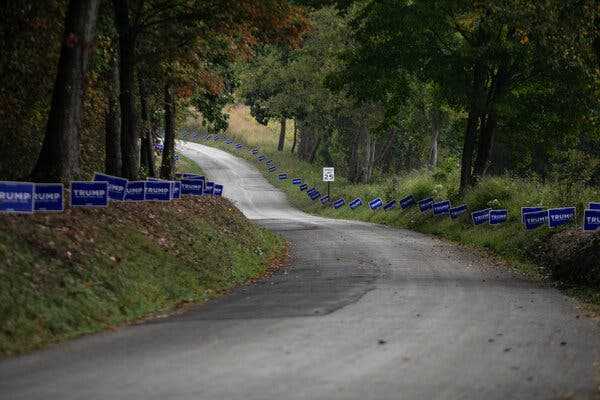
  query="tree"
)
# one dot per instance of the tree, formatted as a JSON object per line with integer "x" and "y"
{"x": 59, "y": 157}
{"x": 479, "y": 53}
{"x": 177, "y": 31}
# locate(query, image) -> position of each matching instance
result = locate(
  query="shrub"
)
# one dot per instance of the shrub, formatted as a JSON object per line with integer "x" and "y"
{"x": 490, "y": 192}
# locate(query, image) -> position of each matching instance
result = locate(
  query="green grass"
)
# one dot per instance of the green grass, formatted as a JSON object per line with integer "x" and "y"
{"x": 64, "y": 275}
{"x": 184, "y": 164}
{"x": 510, "y": 241}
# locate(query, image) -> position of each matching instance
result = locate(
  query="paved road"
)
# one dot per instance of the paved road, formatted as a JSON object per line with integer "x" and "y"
{"x": 362, "y": 312}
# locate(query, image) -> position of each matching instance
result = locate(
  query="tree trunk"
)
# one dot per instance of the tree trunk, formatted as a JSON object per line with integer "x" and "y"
{"x": 129, "y": 136}
{"x": 168, "y": 157}
{"x": 385, "y": 156}
{"x": 435, "y": 134}
{"x": 313, "y": 154}
{"x": 112, "y": 162}
{"x": 368, "y": 156}
{"x": 282, "y": 121}
{"x": 466, "y": 167}
{"x": 308, "y": 142}
{"x": 489, "y": 125}
{"x": 295, "y": 136}
{"x": 59, "y": 157}
{"x": 147, "y": 152}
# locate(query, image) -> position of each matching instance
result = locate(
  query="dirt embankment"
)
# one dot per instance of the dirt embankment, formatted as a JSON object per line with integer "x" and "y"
{"x": 572, "y": 257}
{"x": 84, "y": 270}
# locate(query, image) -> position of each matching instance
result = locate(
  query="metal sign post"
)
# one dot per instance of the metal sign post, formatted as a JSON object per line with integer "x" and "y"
{"x": 328, "y": 176}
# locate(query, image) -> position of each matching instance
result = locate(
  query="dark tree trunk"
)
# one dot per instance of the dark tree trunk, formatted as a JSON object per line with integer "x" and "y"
{"x": 308, "y": 142}
{"x": 281, "y": 143}
{"x": 295, "y": 136}
{"x": 168, "y": 158}
{"x": 466, "y": 167}
{"x": 489, "y": 125}
{"x": 113, "y": 125}
{"x": 386, "y": 155}
{"x": 147, "y": 152}
{"x": 313, "y": 154}
{"x": 59, "y": 157}
{"x": 129, "y": 136}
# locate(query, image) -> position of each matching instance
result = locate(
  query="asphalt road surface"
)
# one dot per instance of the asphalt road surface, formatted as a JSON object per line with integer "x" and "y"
{"x": 362, "y": 312}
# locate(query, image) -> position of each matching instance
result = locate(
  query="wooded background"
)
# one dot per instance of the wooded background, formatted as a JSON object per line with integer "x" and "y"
{"x": 374, "y": 88}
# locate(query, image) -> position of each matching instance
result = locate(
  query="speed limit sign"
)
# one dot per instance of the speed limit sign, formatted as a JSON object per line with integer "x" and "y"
{"x": 328, "y": 174}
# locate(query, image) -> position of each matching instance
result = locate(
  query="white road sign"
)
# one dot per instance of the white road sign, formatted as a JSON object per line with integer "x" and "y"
{"x": 328, "y": 174}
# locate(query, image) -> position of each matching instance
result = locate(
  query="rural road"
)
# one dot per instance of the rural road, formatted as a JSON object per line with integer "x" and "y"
{"x": 362, "y": 312}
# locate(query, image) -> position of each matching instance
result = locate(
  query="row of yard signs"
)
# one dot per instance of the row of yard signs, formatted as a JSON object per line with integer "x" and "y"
{"x": 26, "y": 197}
{"x": 531, "y": 217}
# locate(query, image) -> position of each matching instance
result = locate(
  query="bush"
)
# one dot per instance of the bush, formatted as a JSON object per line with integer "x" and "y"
{"x": 493, "y": 192}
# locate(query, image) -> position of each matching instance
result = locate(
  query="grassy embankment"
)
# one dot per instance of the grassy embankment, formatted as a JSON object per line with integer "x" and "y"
{"x": 526, "y": 250}
{"x": 86, "y": 270}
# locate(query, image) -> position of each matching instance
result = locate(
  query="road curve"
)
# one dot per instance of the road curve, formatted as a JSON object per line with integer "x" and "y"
{"x": 362, "y": 312}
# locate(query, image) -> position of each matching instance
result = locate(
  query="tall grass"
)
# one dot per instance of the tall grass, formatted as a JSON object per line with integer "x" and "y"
{"x": 243, "y": 127}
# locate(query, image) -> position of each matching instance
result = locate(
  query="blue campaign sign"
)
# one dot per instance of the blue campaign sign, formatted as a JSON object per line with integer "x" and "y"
{"x": 560, "y": 216}
{"x": 157, "y": 191}
{"x": 193, "y": 187}
{"x": 89, "y": 194}
{"x": 339, "y": 203}
{"x": 175, "y": 189}
{"x": 296, "y": 181}
{"x": 261, "y": 158}
{"x": 239, "y": 146}
{"x": 311, "y": 191}
{"x": 303, "y": 187}
{"x": 325, "y": 199}
{"x": 527, "y": 210}
{"x": 315, "y": 195}
{"x": 156, "y": 179}
{"x": 209, "y": 187}
{"x": 135, "y": 191}
{"x": 481, "y": 216}
{"x": 218, "y": 190}
{"x": 535, "y": 219}
{"x": 498, "y": 216}
{"x": 116, "y": 186}
{"x": 456, "y": 212}
{"x": 269, "y": 162}
{"x": 356, "y": 203}
{"x": 254, "y": 151}
{"x": 48, "y": 197}
{"x": 425, "y": 204}
{"x": 272, "y": 168}
{"x": 192, "y": 176}
{"x": 591, "y": 220}
{"x": 441, "y": 208}
{"x": 407, "y": 202}
{"x": 282, "y": 176}
{"x": 594, "y": 206}
{"x": 375, "y": 203}
{"x": 390, "y": 205}
{"x": 16, "y": 197}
